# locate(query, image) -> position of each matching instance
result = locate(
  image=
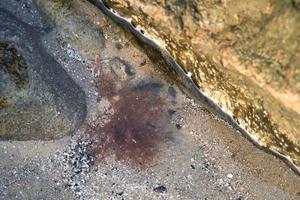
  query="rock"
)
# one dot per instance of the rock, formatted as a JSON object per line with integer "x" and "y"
{"x": 243, "y": 57}
{"x": 178, "y": 126}
{"x": 38, "y": 98}
{"x": 160, "y": 189}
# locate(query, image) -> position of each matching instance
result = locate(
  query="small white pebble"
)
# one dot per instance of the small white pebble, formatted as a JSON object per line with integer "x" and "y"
{"x": 230, "y": 176}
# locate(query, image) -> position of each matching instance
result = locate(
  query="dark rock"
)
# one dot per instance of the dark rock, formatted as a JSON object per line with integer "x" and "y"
{"x": 41, "y": 101}
{"x": 178, "y": 126}
{"x": 119, "y": 193}
{"x": 160, "y": 189}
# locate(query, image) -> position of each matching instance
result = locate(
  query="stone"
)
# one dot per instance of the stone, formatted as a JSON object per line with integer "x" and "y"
{"x": 243, "y": 58}
{"x": 160, "y": 189}
{"x": 39, "y": 101}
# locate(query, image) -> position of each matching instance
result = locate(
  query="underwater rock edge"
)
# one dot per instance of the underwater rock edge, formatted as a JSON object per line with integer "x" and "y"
{"x": 292, "y": 158}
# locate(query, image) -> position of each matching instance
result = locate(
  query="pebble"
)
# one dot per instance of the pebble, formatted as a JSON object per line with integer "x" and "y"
{"x": 230, "y": 176}
{"x": 160, "y": 189}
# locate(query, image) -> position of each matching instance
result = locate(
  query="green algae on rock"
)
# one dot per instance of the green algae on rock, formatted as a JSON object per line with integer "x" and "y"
{"x": 13, "y": 73}
{"x": 244, "y": 57}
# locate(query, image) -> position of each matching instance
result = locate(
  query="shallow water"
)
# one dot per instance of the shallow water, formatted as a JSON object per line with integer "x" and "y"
{"x": 251, "y": 109}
